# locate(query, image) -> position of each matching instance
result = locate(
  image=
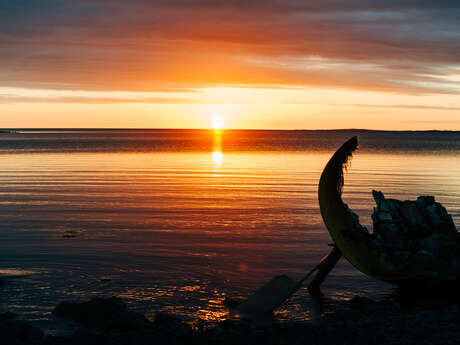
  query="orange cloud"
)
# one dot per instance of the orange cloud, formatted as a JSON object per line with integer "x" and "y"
{"x": 145, "y": 45}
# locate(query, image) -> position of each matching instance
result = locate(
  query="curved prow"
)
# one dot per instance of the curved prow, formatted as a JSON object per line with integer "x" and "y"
{"x": 331, "y": 182}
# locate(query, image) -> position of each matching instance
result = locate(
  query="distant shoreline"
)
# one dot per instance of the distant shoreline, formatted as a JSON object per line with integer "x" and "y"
{"x": 342, "y": 130}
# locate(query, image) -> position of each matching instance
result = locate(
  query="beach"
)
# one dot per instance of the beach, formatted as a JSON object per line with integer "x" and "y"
{"x": 358, "y": 321}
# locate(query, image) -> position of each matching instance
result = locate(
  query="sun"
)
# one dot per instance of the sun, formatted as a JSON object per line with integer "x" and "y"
{"x": 217, "y": 122}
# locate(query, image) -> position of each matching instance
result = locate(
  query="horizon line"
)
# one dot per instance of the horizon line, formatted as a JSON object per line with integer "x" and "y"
{"x": 223, "y": 129}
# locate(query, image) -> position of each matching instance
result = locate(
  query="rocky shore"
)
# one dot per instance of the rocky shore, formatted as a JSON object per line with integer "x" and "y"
{"x": 359, "y": 321}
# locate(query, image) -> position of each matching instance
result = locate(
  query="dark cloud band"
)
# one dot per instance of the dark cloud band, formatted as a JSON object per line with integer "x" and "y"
{"x": 138, "y": 45}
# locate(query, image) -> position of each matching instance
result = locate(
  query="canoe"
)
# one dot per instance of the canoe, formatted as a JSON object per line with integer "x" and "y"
{"x": 404, "y": 258}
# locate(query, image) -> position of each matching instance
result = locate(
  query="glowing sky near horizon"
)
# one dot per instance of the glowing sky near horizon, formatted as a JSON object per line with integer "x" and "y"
{"x": 254, "y": 64}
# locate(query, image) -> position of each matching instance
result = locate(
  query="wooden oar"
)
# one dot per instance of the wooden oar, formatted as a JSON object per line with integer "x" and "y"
{"x": 271, "y": 295}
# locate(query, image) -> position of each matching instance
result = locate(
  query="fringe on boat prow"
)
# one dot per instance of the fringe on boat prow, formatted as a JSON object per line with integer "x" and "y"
{"x": 342, "y": 158}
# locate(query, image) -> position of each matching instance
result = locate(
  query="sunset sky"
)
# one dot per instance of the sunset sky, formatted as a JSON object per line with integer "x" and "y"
{"x": 256, "y": 64}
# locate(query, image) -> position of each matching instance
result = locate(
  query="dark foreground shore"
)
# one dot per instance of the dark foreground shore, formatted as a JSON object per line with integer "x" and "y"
{"x": 361, "y": 321}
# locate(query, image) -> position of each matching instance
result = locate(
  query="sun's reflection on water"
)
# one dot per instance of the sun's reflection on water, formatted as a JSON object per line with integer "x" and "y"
{"x": 217, "y": 154}
{"x": 217, "y": 157}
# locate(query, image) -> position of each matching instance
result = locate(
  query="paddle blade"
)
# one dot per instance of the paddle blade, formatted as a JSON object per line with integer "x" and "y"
{"x": 269, "y": 296}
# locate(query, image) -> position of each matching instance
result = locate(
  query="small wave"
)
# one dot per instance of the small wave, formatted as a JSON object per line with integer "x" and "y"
{"x": 16, "y": 272}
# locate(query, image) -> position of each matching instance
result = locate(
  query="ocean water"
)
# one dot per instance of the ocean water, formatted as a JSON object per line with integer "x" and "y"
{"x": 177, "y": 220}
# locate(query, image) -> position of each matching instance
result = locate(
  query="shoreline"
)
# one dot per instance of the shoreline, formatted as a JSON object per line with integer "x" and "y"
{"x": 359, "y": 321}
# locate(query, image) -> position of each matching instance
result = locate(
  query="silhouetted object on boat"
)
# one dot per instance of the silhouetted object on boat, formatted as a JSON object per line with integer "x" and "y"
{"x": 412, "y": 242}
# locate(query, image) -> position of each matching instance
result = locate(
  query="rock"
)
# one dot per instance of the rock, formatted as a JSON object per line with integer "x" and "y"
{"x": 102, "y": 313}
{"x": 8, "y": 315}
{"x": 17, "y": 332}
{"x": 232, "y": 303}
{"x": 361, "y": 303}
{"x": 169, "y": 322}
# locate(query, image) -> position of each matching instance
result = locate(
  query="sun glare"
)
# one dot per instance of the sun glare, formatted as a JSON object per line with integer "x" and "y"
{"x": 217, "y": 157}
{"x": 218, "y": 122}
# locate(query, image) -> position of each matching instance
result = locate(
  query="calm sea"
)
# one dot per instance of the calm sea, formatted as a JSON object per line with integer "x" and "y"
{"x": 176, "y": 220}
